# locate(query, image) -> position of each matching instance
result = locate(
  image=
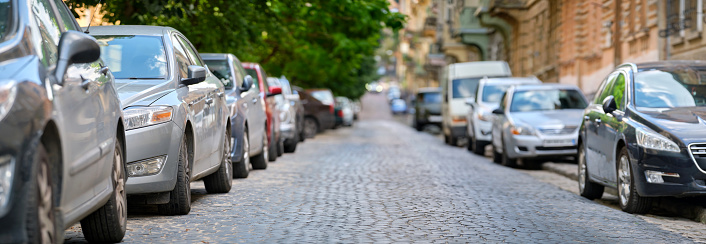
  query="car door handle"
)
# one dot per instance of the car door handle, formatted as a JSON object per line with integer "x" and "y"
{"x": 254, "y": 100}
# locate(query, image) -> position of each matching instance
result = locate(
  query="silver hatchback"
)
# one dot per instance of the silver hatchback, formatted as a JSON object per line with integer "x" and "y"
{"x": 536, "y": 121}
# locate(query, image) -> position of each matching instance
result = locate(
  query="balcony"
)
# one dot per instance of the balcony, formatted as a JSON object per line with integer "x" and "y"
{"x": 429, "y": 27}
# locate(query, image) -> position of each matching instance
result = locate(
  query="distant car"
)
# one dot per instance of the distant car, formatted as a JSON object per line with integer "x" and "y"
{"x": 645, "y": 134}
{"x": 62, "y": 157}
{"x": 535, "y": 121}
{"x": 481, "y": 106}
{"x": 398, "y": 106}
{"x": 317, "y": 115}
{"x": 287, "y": 106}
{"x": 344, "y": 111}
{"x": 295, "y": 100}
{"x": 176, "y": 120}
{"x": 325, "y": 96}
{"x": 268, "y": 94}
{"x": 427, "y": 108}
{"x": 374, "y": 87}
{"x": 393, "y": 93}
{"x": 247, "y": 114}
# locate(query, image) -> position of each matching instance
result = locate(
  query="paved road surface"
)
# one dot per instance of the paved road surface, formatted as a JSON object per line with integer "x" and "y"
{"x": 381, "y": 181}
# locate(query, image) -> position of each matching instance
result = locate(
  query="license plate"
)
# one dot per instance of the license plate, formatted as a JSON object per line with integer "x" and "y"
{"x": 556, "y": 143}
{"x": 434, "y": 118}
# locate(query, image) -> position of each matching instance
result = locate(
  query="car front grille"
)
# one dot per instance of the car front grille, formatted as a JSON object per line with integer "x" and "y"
{"x": 698, "y": 153}
{"x": 562, "y": 131}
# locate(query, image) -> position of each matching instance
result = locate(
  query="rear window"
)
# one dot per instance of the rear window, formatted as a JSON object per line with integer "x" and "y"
{"x": 431, "y": 97}
{"x": 221, "y": 70}
{"x": 134, "y": 57}
{"x": 324, "y": 96}
{"x": 463, "y": 88}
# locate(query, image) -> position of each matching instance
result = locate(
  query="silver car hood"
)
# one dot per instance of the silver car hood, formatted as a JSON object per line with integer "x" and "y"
{"x": 141, "y": 92}
{"x": 550, "y": 119}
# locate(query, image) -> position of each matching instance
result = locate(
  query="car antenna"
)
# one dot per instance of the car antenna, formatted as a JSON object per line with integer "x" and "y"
{"x": 91, "y": 18}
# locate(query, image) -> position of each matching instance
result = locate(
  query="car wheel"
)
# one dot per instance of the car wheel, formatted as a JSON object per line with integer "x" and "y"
{"x": 40, "y": 212}
{"x": 630, "y": 200}
{"x": 108, "y": 223}
{"x": 291, "y": 145}
{"x": 280, "y": 148}
{"x": 272, "y": 149}
{"x": 497, "y": 157}
{"x": 242, "y": 169}
{"x": 311, "y": 127}
{"x": 587, "y": 188}
{"x": 260, "y": 161}
{"x": 506, "y": 160}
{"x": 418, "y": 126}
{"x": 222, "y": 180}
{"x": 180, "y": 196}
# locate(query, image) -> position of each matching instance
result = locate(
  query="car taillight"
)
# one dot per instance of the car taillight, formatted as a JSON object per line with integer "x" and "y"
{"x": 340, "y": 113}
{"x": 330, "y": 108}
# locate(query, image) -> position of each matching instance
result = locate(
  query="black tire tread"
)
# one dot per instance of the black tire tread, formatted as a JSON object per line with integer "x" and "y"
{"x": 636, "y": 203}
{"x": 179, "y": 202}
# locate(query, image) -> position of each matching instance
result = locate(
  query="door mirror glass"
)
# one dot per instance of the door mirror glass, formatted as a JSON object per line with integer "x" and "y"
{"x": 76, "y": 48}
{"x": 196, "y": 75}
{"x": 247, "y": 83}
{"x": 609, "y": 104}
{"x": 498, "y": 111}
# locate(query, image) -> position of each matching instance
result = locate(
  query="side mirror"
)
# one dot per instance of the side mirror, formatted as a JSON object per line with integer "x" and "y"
{"x": 470, "y": 101}
{"x": 498, "y": 111}
{"x": 247, "y": 83}
{"x": 274, "y": 90}
{"x": 75, "y": 48}
{"x": 609, "y": 104}
{"x": 196, "y": 75}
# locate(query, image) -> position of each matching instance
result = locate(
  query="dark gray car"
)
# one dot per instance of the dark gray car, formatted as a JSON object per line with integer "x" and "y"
{"x": 176, "y": 119}
{"x": 247, "y": 115}
{"x": 61, "y": 149}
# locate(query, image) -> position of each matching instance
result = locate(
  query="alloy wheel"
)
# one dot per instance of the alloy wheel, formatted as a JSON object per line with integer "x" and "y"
{"x": 246, "y": 150}
{"x": 625, "y": 180}
{"x": 582, "y": 170}
{"x": 120, "y": 194}
{"x": 226, "y": 157}
{"x": 45, "y": 211}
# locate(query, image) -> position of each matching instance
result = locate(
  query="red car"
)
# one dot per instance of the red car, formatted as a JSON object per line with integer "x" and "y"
{"x": 274, "y": 141}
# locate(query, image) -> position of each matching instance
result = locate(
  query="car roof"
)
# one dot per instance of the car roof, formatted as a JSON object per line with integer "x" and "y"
{"x": 669, "y": 63}
{"x": 214, "y": 56}
{"x": 146, "y": 30}
{"x": 429, "y": 89}
{"x": 545, "y": 86}
{"x": 511, "y": 80}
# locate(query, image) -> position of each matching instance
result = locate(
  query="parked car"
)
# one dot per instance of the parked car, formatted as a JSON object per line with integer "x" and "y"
{"x": 62, "y": 157}
{"x": 344, "y": 111}
{"x": 393, "y": 92}
{"x": 460, "y": 81}
{"x": 325, "y": 96}
{"x": 268, "y": 93}
{"x": 481, "y": 106}
{"x": 644, "y": 134}
{"x": 247, "y": 115}
{"x": 176, "y": 120}
{"x": 317, "y": 115}
{"x": 357, "y": 107}
{"x": 294, "y": 116}
{"x": 398, "y": 106}
{"x": 427, "y": 108}
{"x": 374, "y": 87}
{"x": 536, "y": 121}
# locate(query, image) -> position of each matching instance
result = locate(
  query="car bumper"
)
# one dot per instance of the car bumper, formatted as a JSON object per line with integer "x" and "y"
{"x": 690, "y": 182}
{"x": 149, "y": 142}
{"x": 530, "y": 146}
{"x": 287, "y": 130}
{"x": 458, "y": 131}
{"x": 482, "y": 130}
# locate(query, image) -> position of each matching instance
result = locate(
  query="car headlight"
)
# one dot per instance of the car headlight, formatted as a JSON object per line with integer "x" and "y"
{"x": 7, "y": 169}
{"x": 136, "y": 117}
{"x": 8, "y": 91}
{"x": 521, "y": 130}
{"x": 652, "y": 140}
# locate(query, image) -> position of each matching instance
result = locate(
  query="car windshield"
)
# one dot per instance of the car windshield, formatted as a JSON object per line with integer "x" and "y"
{"x": 6, "y": 19}
{"x": 324, "y": 96}
{"x": 134, "y": 57}
{"x": 220, "y": 69}
{"x": 463, "y": 88}
{"x": 493, "y": 93}
{"x": 544, "y": 100}
{"x": 671, "y": 87}
{"x": 432, "y": 97}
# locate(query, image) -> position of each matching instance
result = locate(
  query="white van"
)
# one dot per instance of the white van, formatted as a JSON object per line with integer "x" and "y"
{"x": 459, "y": 82}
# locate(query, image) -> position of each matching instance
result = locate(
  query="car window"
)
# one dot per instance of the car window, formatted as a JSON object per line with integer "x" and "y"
{"x": 463, "y": 88}
{"x": 253, "y": 73}
{"x": 222, "y": 71}
{"x": 47, "y": 32}
{"x": 618, "y": 91}
{"x": 182, "y": 61}
{"x": 66, "y": 16}
{"x": 503, "y": 101}
{"x": 605, "y": 88}
{"x": 546, "y": 100}
{"x": 324, "y": 96}
{"x": 134, "y": 57}
{"x": 670, "y": 87}
{"x": 493, "y": 93}
{"x": 239, "y": 72}
{"x": 193, "y": 54}
{"x": 431, "y": 97}
{"x": 7, "y": 19}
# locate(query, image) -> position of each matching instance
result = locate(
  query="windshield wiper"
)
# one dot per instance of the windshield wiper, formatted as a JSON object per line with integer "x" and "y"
{"x": 141, "y": 78}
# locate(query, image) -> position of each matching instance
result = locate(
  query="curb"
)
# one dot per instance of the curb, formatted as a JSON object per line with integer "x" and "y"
{"x": 683, "y": 207}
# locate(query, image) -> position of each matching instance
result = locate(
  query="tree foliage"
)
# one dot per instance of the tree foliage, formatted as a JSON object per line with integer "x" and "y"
{"x": 315, "y": 43}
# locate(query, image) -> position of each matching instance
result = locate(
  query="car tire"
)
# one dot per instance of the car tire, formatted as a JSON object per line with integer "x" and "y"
{"x": 109, "y": 223}
{"x": 242, "y": 169}
{"x": 40, "y": 218}
{"x": 418, "y": 126}
{"x": 506, "y": 160}
{"x": 587, "y": 188}
{"x": 222, "y": 180}
{"x": 280, "y": 148}
{"x": 630, "y": 201}
{"x": 180, "y": 197}
{"x": 311, "y": 127}
{"x": 291, "y": 145}
{"x": 497, "y": 157}
{"x": 260, "y": 160}
{"x": 272, "y": 149}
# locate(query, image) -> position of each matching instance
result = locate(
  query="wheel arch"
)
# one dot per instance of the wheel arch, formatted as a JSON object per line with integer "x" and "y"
{"x": 189, "y": 133}
{"x": 52, "y": 142}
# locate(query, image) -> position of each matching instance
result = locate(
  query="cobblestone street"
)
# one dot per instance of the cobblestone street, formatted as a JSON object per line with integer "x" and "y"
{"x": 381, "y": 181}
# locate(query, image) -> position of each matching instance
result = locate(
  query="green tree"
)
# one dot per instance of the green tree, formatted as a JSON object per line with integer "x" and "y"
{"x": 316, "y": 43}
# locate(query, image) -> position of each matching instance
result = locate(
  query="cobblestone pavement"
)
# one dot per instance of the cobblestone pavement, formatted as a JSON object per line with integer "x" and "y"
{"x": 381, "y": 181}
